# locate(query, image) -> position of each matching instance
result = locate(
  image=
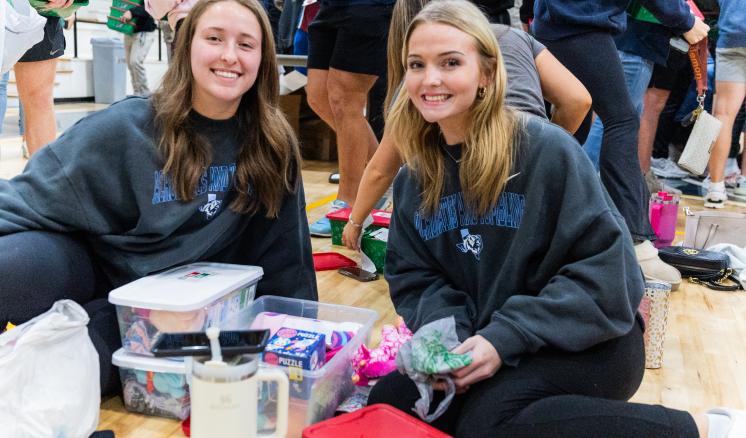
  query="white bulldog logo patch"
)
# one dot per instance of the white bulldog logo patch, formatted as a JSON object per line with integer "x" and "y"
{"x": 471, "y": 243}
{"x": 212, "y": 206}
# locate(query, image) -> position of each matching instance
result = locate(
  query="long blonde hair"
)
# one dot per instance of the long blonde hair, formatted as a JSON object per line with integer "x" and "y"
{"x": 268, "y": 163}
{"x": 489, "y": 145}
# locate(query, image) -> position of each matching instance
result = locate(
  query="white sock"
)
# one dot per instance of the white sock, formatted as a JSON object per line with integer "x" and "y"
{"x": 717, "y": 186}
{"x": 719, "y": 425}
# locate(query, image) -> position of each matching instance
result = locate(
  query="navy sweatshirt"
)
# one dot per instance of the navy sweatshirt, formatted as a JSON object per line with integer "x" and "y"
{"x": 647, "y": 40}
{"x": 552, "y": 264}
{"x": 557, "y": 19}
{"x": 103, "y": 178}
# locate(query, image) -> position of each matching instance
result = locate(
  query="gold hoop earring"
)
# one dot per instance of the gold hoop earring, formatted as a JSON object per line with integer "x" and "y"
{"x": 481, "y": 92}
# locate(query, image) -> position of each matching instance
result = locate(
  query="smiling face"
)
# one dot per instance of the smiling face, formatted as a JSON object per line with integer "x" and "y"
{"x": 226, "y": 53}
{"x": 443, "y": 75}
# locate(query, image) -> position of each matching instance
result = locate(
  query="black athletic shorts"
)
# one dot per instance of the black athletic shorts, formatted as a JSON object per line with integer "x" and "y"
{"x": 350, "y": 38}
{"x": 51, "y": 46}
{"x": 665, "y": 76}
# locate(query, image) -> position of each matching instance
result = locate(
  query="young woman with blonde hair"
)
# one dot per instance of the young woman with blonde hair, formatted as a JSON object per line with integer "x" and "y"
{"x": 533, "y": 75}
{"x": 207, "y": 169}
{"x": 501, "y": 222}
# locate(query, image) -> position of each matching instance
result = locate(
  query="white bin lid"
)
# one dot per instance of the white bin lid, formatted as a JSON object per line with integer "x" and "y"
{"x": 185, "y": 288}
{"x": 123, "y": 359}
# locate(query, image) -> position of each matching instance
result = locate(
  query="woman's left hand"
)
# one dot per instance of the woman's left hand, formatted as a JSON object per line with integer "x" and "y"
{"x": 485, "y": 362}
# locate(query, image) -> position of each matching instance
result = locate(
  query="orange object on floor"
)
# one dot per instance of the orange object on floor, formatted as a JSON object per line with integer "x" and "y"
{"x": 375, "y": 421}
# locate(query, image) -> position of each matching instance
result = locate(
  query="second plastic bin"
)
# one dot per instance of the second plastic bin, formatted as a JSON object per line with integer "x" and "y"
{"x": 109, "y": 70}
{"x": 315, "y": 395}
{"x": 153, "y": 386}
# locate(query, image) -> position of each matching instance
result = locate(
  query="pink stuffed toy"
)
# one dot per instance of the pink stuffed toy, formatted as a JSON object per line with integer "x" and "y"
{"x": 370, "y": 364}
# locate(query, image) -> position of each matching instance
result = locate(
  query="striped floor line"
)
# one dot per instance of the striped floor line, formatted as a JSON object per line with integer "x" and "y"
{"x": 321, "y": 202}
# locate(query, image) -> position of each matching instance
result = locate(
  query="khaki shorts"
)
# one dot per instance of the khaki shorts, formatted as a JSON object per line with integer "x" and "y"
{"x": 730, "y": 64}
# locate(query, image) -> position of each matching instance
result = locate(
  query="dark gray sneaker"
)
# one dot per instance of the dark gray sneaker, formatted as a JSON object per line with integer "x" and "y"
{"x": 653, "y": 183}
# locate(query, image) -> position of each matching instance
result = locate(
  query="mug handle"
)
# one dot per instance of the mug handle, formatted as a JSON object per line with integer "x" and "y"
{"x": 279, "y": 376}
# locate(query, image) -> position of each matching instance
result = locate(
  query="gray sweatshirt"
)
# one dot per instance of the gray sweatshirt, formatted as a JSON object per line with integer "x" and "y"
{"x": 103, "y": 179}
{"x": 550, "y": 265}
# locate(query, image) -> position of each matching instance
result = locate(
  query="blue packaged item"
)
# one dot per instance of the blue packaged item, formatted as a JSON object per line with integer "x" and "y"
{"x": 296, "y": 348}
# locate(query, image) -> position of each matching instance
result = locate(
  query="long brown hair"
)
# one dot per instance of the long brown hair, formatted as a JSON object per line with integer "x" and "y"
{"x": 268, "y": 163}
{"x": 403, "y": 13}
{"x": 491, "y": 132}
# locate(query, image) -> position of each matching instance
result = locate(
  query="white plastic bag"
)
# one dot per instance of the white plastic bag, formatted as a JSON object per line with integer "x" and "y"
{"x": 49, "y": 376}
{"x": 24, "y": 27}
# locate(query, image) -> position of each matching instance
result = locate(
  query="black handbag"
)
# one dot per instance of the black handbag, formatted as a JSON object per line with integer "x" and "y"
{"x": 708, "y": 268}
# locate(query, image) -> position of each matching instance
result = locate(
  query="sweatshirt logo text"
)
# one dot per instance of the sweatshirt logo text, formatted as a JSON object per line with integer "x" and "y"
{"x": 214, "y": 179}
{"x": 452, "y": 214}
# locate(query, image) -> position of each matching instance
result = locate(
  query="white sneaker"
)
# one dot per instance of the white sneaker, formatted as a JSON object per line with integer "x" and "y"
{"x": 715, "y": 199}
{"x": 737, "y": 427}
{"x": 665, "y": 168}
{"x": 740, "y": 186}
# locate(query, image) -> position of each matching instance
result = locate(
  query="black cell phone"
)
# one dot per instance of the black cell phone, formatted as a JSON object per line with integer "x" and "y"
{"x": 232, "y": 342}
{"x": 358, "y": 274}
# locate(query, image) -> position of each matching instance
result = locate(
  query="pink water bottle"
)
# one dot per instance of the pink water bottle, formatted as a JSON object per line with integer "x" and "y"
{"x": 664, "y": 208}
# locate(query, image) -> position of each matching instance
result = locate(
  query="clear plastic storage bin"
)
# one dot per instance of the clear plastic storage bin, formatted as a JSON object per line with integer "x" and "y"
{"x": 184, "y": 299}
{"x": 153, "y": 386}
{"x": 315, "y": 395}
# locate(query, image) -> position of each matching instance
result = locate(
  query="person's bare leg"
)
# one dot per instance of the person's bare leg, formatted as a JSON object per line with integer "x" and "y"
{"x": 318, "y": 95}
{"x": 654, "y": 101}
{"x": 35, "y": 83}
{"x": 728, "y": 99}
{"x": 356, "y": 143}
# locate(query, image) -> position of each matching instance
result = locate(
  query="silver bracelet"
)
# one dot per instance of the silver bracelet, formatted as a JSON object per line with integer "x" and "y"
{"x": 351, "y": 222}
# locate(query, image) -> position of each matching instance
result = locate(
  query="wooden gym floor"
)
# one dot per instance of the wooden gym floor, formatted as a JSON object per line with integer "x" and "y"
{"x": 704, "y": 360}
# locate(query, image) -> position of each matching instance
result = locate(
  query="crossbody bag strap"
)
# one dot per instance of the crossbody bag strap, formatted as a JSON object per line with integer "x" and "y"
{"x": 735, "y": 280}
{"x": 714, "y": 285}
{"x": 716, "y": 281}
{"x": 698, "y": 58}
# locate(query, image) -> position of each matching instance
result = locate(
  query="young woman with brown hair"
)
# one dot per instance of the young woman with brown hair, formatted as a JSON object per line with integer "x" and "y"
{"x": 207, "y": 169}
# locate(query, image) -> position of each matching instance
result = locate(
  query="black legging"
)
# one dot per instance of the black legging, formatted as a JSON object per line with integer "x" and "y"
{"x": 553, "y": 394}
{"x": 40, "y": 268}
{"x": 593, "y": 59}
